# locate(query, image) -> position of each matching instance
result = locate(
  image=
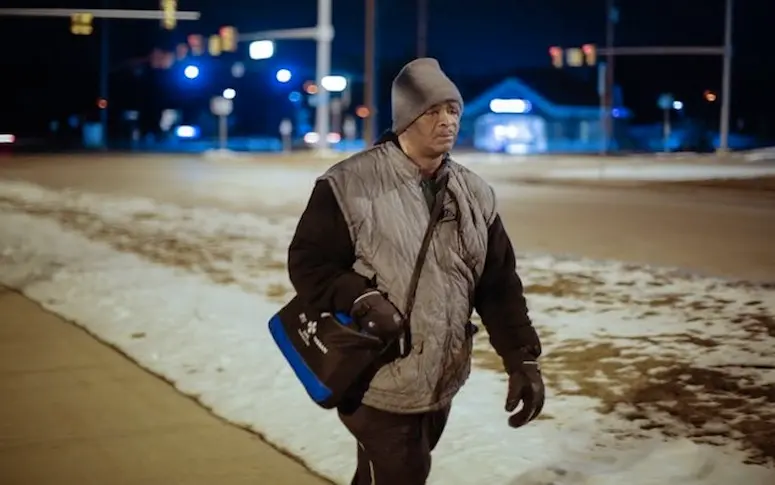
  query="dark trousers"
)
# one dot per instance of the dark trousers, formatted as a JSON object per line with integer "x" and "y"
{"x": 394, "y": 449}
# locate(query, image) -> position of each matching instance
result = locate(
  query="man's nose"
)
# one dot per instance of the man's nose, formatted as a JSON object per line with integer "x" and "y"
{"x": 447, "y": 118}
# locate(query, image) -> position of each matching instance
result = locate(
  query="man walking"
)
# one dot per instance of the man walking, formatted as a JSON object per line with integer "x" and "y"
{"x": 354, "y": 250}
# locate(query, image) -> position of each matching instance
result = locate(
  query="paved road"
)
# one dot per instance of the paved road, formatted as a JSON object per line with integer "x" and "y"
{"x": 708, "y": 231}
{"x": 718, "y": 232}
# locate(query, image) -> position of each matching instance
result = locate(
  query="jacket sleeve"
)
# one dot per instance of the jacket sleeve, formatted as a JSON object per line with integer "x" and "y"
{"x": 321, "y": 255}
{"x": 500, "y": 301}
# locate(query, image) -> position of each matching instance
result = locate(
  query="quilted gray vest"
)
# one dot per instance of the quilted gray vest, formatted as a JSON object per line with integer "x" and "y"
{"x": 381, "y": 198}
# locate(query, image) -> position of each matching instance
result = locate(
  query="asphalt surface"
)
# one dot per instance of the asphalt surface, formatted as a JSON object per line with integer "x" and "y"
{"x": 728, "y": 233}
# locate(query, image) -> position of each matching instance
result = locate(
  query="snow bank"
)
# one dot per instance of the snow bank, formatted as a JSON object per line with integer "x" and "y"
{"x": 760, "y": 155}
{"x": 187, "y": 293}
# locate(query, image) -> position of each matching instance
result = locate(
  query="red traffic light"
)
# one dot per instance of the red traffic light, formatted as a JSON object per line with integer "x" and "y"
{"x": 196, "y": 44}
{"x": 228, "y": 37}
{"x": 588, "y": 48}
{"x": 557, "y": 56}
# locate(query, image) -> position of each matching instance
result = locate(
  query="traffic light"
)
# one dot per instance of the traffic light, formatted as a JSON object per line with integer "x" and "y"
{"x": 555, "y": 53}
{"x": 195, "y": 43}
{"x": 590, "y": 54}
{"x": 214, "y": 46}
{"x": 181, "y": 51}
{"x": 574, "y": 57}
{"x": 169, "y": 8}
{"x": 162, "y": 60}
{"x": 81, "y": 24}
{"x": 228, "y": 39}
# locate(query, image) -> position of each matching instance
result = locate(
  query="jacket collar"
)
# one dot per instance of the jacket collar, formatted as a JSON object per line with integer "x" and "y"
{"x": 405, "y": 165}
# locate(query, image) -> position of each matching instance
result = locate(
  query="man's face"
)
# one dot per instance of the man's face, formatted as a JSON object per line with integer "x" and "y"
{"x": 436, "y": 130}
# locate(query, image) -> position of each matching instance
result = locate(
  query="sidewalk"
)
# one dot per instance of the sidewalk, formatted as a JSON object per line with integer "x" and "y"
{"x": 75, "y": 411}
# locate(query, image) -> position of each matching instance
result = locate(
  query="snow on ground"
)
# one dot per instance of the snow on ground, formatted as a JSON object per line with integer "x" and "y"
{"x": 655, "y": 377}
{"x": 760, "y": 155}
{"x": 663, "y": 172}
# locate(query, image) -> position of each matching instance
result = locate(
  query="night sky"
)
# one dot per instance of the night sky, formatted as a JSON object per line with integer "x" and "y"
{"x": 50, "y": 74}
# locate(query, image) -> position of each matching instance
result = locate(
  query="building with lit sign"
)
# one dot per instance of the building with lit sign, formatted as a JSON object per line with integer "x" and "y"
{"x": 545, "y": 113}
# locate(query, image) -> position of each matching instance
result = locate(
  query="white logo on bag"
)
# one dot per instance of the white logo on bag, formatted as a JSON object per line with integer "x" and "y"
{"x": 307, "y": 334}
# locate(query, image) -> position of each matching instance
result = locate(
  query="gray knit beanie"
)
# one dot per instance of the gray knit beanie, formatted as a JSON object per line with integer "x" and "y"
{"x": 420, "y": 85}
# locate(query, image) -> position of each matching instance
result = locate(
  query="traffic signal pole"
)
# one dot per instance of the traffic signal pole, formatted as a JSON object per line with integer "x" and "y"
{"x": 726, "y": 82}
{"x": 607, "y": 101}
{"x": 104, "y": 13}
{"x": 663, "y": 51}
{"x": 610, "y": 52}
{"x": 607, "y": 98}
{"x": 98, "y": 13}
{"x": 104, "y": 70}
{"x": 323, "y": 34}
{"x": 323, "y": 69}
{"x": 606, "y": 87}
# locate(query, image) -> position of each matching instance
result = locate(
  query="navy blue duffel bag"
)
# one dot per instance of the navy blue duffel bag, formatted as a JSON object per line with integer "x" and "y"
{"x": 325, "y": 351}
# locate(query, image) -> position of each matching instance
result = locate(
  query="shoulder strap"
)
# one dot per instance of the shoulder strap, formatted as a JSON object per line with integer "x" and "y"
{"x": 438, "y": 205}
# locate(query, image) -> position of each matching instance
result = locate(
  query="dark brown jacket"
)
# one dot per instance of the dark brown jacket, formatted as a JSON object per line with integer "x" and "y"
{"x": 323, "y": 252}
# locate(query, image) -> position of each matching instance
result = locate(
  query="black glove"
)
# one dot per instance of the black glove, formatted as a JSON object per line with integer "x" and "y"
{"x": 527, "y": 386}
{"x": 376, "y": 316}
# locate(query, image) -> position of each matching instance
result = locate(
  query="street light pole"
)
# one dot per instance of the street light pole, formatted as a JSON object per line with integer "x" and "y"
{"x": 325, "y": 31}
{"x": 726, "y": 84}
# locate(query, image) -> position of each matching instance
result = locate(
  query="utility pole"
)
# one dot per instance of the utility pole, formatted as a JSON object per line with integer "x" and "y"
{"x": 104, "y": 70}
{"x": 726, "y": 82}
{"x": 369, "y": 95}
{"x": 612, "y": 16}
{"x": 422, "y": 28}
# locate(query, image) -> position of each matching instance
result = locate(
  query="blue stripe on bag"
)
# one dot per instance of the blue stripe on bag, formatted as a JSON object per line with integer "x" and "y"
{"x": 318, "y": 391}
{"x": 343, "y": 318}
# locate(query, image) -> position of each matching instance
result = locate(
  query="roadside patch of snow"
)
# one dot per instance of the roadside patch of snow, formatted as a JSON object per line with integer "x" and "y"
{"x": 187, "y": 293}
{"x": 760, "y": 155}
{"x": 224, "y": 154}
